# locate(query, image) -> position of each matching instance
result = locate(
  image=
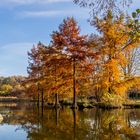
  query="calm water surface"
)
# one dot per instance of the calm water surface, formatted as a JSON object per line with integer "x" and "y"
{"x": 24, "y": 122}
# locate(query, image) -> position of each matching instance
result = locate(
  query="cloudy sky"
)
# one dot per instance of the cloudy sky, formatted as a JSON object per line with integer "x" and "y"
{"x": 25, "y": 22}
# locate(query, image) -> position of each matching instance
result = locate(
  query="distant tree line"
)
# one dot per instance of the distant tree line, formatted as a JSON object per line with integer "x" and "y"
{"x": 11, "y": 86}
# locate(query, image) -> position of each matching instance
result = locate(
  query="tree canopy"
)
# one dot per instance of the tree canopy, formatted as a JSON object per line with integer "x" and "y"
{"x": 100, "y": 64}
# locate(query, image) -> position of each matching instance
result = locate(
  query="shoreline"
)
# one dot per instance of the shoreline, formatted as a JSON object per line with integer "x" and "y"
{"x": 81, "y": 105}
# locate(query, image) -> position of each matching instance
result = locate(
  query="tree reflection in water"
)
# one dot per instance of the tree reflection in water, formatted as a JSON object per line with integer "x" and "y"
{"x": 67, "y": 124}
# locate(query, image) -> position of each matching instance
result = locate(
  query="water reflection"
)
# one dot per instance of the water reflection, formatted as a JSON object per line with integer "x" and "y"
{"x": 32, "y": 123}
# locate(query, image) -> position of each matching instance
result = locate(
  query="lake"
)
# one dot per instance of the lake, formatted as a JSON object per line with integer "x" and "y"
{"x": 27, "y": 122}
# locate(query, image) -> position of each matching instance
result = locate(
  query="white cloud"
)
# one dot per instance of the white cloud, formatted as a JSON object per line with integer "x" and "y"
{"x": 55, "y": 13}
{"x": 16, "y": 48}
{"x": 26, "y": 2}
{"x": 41, "y": 13}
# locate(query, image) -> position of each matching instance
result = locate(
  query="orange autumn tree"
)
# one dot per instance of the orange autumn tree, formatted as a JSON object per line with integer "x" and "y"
{"x": 35, "y": 71}
{"x": 70, "y": 64}
{"x": 46, "y": 71}
{"x": 68, "y": 41}
{"x": 55, "y": 71}
{"x": 114, "y": 40}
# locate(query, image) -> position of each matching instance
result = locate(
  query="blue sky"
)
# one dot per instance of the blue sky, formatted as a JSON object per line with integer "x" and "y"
{"x": 25, "y": 22}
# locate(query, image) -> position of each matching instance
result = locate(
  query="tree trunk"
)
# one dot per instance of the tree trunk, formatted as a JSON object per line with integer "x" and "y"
{"x": 38, "y": 100}
{"x": 110, "y": 73}
{"x": 98, "y": 99}
{"x": 57, "y": 105}
{"x": 74, "y": 86}
{"x": 42, "y": 98}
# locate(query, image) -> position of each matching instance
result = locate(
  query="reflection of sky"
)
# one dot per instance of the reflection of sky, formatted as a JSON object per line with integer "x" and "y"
{"x": 9, "y": 132}
{"x": 25, "y": 22}
{"x": 135, "y": 123}
{"x": 91, "y": 122}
